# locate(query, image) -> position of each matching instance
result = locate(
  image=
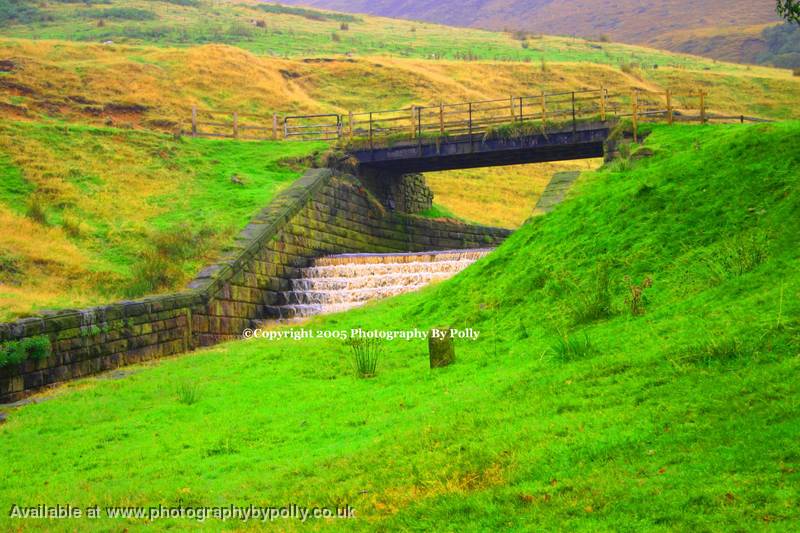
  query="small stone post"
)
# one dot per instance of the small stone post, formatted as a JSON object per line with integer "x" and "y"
{"x": 441, "y": 349}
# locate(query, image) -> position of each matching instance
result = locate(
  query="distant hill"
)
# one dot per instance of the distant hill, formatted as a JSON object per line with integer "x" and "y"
{"x": 714, "y": 28}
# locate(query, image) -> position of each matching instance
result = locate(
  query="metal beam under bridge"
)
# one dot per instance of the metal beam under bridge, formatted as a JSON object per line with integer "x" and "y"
{"x": 465, "y": 151}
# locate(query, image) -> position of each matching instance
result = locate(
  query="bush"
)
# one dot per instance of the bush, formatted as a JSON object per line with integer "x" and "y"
{"x": 17, "y": 352}
{"x": 636, "y": 298}
{"x": 525, "y": 45}
{"x": 572, "y": 348}
{"x": 161, "y": 267}
{"x": 121, "y": 13}
{"x": 366, "y": 353}
{"x": 36, "y": 210}
{"x": 185, "y": 3}
{"x": 306, "y": 13}
{"x": 17, "y": 12}
{"x": 344, "y": 26}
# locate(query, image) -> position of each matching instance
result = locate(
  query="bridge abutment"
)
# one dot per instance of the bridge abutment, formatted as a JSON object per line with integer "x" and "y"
{"x": 400, "y": 193}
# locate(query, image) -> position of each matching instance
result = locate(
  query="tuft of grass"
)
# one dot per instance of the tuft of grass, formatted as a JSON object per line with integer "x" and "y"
{"x": 593, "y": 301}
{"x": 188, "y": 393}
{"x": 572, "y": 348}
{"x": 36, "y": 210}
{"x": 366, "y": 353}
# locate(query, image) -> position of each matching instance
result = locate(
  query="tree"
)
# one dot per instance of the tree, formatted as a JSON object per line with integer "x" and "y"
{"x": 790, "y": 10}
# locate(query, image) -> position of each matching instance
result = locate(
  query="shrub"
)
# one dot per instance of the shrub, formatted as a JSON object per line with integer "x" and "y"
{"x": 629, "y": 68}
{"x": 306, "y": 13}
{"x": 636, "y": 298}
{"x": 121, "y": 13}
{"x": 344, "y": 26}
{"x": 161, "y": 267}
{"x": 9, "y": 266}
{"x": 572, "y": 348}
{"x": 525, "y": 45}
{"x": 72, "y": 226}
{"x": 185, "y": 3}
{"x": 366, "y": 353}
{"x": 36, "y": 210}
{"x": 17, "y": 352}
{"x": 17, "y": 12}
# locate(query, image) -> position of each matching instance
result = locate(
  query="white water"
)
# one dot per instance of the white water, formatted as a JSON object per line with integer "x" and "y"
{"x": 341, "y": 282}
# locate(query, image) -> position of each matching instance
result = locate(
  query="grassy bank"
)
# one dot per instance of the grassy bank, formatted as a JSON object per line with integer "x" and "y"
{"x": 593, "y": 399}
{"x": 92, "y": 214}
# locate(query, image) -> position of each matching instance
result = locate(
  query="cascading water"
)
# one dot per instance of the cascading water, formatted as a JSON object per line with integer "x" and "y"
{"x": 340, "y": 282}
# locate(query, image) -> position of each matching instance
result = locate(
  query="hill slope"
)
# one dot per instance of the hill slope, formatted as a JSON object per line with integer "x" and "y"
{"x": 683, "y": 415}
{"x": 286, "y": 30}
{"x": 631, "y": 21}
{"x": 90, "y": 215}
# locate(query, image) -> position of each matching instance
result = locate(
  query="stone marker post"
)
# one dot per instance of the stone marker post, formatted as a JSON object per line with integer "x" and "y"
{"x": 441, "y": 349}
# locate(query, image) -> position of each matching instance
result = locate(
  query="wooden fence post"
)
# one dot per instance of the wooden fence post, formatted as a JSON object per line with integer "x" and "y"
{"x": 350, "y": 125}
{"x": 513, "y": 113}
{"x": 635, "y": 116}
{"x": 574, "y": 119}
{"x": 235, "y": 124}
{"x": 702, "y": 107}
{"x": 441, "y": 119}
{"x": 370, "y": 131}
{"x": 544, "y": 110}
{"x": 602, "y": 103}
{"x": 670, "y": 112}
{"x": 413, "y": 122}
{"x": 521, "y": 108}
{"x": 274, "y": 126}
{"x": 471, "y": 146}
{"x": 194, "y": 121}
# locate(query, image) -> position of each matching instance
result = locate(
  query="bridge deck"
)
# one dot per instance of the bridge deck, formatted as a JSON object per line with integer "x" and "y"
{"x": 465, "y": 151}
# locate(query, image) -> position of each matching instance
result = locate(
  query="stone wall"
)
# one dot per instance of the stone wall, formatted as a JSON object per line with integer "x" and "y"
{"x": 319, "y": 214}
{"x": 406, "y": 193}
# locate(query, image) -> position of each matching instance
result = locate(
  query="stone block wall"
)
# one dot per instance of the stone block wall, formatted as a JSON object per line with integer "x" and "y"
{"x": 320, "y": 214}
{"x": 402, "y": 193}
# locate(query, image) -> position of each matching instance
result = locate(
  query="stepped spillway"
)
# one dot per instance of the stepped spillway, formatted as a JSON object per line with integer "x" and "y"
{"x": 341, "y": 282}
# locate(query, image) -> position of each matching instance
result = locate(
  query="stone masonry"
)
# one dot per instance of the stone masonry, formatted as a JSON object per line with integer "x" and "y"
{"x": 320, "y": 214}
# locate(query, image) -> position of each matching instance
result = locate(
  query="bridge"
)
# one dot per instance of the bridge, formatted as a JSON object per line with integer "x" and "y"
{"x": 549, "y": 126}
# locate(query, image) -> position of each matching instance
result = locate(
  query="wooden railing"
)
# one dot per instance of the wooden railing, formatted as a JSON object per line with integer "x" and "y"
{"x": 545, "y": 111}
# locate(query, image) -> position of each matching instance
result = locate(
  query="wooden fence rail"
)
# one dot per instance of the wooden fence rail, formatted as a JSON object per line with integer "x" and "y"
{"x": 544, "y": 110}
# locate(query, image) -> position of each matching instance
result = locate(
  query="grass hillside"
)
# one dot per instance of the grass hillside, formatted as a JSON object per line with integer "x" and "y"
{"x": 155, "y": 87}
{"x": 286, "y": 31}
{"x": 95, "y": 214}
{"x": 631, "y": 21}
{"x": 593, "y": 399}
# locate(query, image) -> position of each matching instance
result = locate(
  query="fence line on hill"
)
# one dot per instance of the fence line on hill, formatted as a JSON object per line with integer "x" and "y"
{"x": 544, "y": 111}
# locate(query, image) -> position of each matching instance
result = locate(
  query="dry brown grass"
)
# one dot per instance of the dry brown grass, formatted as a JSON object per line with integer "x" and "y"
{"x": 498, "y": 196}
{"x": 98, "y": 83}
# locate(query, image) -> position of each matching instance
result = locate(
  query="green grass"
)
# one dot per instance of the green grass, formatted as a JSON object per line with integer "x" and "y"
{"x": 682, "y": 419}
{"x": 106, "y": 198}
{"x": 292, "y": 31}
{"x": 438, "y": 211}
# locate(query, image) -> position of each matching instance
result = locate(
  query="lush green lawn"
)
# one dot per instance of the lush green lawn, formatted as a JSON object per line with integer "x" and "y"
{"x": 684, "y": 418}
{"x": 108, "y": 199}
